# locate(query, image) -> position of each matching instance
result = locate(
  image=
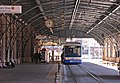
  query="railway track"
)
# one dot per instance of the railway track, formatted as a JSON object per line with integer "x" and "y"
{"x": 80, "y": 74}
{"x": 92, "y": 75}
{"x": 73, "y": 75}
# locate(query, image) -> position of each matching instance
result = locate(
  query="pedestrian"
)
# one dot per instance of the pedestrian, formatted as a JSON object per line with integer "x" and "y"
{"x": 12, "y": 64}
{"x": 39, "y": 57}
{"x": 62, "y": 57}
{"x": 36, "y": 58}
{"x": 49, "y": 57}
{"x": 52, "y": 58}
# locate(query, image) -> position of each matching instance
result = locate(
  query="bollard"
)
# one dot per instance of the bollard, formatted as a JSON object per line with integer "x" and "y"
{"x": 57, "y": 75}
{"x": 118, "y": 65}
{"x": 58, "y": 67}
{"x": 57, "y": 79}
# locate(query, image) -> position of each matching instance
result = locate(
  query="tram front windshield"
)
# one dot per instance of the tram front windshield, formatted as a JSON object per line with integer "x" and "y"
{"x": 72, "y": 51}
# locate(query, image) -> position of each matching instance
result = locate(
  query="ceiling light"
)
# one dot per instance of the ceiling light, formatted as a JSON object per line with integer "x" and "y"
{"x": 16, "y": 16}
{"x": 20, "y": 19}
{"x": 112, "y": 0}
{"x": 25, "y": 23}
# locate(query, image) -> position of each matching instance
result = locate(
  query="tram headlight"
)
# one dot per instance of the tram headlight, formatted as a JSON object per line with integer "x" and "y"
{"x": 78, "y": 58}
{"x": 66, "y": 58}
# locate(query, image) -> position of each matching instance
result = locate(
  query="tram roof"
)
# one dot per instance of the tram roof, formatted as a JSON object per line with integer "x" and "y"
{"x": 71, "y": 18}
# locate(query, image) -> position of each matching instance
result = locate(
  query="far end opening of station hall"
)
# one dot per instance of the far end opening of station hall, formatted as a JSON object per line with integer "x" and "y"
{"x": 90, "y": 49}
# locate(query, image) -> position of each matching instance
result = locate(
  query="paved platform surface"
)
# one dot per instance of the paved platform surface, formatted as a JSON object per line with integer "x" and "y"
{"x": 45, "y": 73}
{"x": 29, "y": 73}
{"x": 107, "y": 75}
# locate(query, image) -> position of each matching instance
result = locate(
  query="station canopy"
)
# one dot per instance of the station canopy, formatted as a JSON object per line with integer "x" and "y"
{"x": 70, "y": 18}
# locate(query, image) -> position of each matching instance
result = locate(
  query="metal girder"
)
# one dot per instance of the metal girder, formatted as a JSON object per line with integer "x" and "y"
{"x": 97, "y": 37}
{"x": 112, "y": 26}
{"x": 104, "y": 19}
{"x": 107, "y": 31}
{"x": 104, "y": 29}
{"x": 41, "y": 9}
{"x": 26, "y": 12}
{"x": 31, "y": 35}
{"x": 29, "y": 21}
{"x": 8, "y": 25}
{"x": 26, "y": 25}
{"x": 74, "y": 13}
{"x": 109, "y": 16}
{"x": 93, "y": 13}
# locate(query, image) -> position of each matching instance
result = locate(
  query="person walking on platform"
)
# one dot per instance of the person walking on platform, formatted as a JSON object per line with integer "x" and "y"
{"x": 62, "y": 57}
{"x": 36, "y": 58}
{"x": 39, "y": 57}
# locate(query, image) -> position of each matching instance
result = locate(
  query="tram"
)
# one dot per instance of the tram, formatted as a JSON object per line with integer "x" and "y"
{"x": 71, "y": 53}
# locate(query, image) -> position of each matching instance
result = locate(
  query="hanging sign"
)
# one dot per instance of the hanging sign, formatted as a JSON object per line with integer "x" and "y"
{"x": 10, "y": 9}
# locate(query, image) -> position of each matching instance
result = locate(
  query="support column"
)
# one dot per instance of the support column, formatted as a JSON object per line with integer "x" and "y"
{"x": 3, "y": 50}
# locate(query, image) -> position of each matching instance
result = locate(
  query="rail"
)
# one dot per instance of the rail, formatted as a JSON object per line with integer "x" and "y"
{"x": 75, "y": 80}
{"x": 95, "y": 77}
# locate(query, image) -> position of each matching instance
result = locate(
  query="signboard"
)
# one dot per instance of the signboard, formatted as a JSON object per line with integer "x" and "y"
{"x": 41, "y": 37}
{"x": 10, "y": 9}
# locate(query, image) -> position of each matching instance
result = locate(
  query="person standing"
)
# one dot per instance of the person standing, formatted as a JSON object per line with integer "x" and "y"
{"x": 39, "y": 57}
{"x": 62, "y": 57}
{"x": 36, "y": 58}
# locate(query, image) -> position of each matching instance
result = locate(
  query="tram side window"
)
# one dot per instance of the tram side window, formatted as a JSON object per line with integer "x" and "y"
{"x": 79, "y": 51}
{"x": 68, "y": 50}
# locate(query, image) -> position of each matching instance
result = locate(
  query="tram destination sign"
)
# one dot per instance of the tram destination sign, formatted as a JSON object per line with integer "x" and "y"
{"x": 10, "y": 9}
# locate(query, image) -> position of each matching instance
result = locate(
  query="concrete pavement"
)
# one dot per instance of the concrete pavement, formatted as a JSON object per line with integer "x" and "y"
{"x": 29, "y": 73}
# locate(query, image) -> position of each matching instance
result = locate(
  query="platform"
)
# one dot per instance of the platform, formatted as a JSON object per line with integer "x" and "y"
{"x": 29, "y": 73}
